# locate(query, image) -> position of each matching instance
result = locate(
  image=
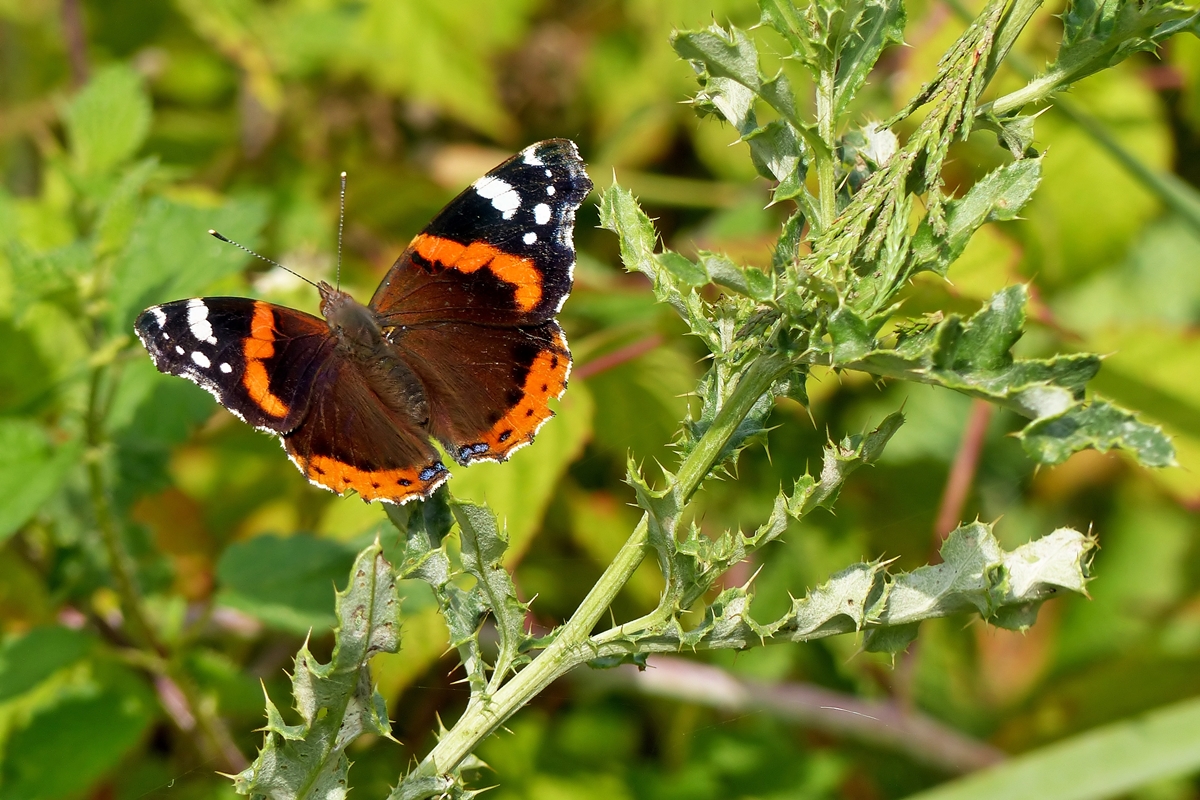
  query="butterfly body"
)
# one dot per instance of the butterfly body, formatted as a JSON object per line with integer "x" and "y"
{"x": 458, "y": 344}
{"x": 361, "y": 339}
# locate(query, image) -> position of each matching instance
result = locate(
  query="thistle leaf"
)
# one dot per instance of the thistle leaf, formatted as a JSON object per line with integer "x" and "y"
{"x": 976, "y": 575}
{"x": 974, "y": 357}
{"x": 424, "y": 527}
{"x": 620, "y": 213}
{"x": 1096, "y": 425}
{"x": 1100, "y": 33}
{"x": 483, "y": 546}
{"x": 336, "y": 701}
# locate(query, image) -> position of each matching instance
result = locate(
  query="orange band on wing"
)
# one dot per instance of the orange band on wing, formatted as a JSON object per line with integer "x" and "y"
{"x": 546, "y": 380}
{"x": 516, "y": 270}
{"x": 258, "y": 347}
{"x": 390, "y": 485}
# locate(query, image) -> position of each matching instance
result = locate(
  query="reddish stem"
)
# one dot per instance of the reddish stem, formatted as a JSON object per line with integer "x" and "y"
{"x": 617, "y": 357}
{"x": 76, "y": 42}
{"x": 962, "y": 471}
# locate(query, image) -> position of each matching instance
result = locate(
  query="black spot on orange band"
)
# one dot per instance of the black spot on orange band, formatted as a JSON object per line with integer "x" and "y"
{"x": 391, "y": 485}
{"x": 545, "y": 379}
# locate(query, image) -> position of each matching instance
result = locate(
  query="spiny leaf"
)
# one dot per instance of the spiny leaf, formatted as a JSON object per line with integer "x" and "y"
{"x": 662, "y": 507}
{"x": 695, "y": 561}
{"x": 717, "y": 52}
{"x": 336, "y": 701}
{"x": 866, "y": 29}
{"x": 840, "y": 460}
{"x": 974, "y": 357}
{"x": 976, "y": 575}
{"x": 483, "y": 547}
{"x": 447, "y": 786}
{"x": 1096, "y": 425}
{"x": 1100, "y": 33}
{"x": 620, "y": 213}
{"x": 425, "y": 526}
{"x": 838, "y": 42}
{"x": 998, "y": 196}
{"x": 862, "y": 252}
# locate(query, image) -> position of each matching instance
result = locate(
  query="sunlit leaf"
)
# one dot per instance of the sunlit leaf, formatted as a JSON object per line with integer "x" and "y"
{"x": 32, "y": 469}
{"x": 108, "y": 120}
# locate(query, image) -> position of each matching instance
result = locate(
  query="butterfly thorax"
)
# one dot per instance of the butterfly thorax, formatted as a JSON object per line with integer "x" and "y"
{"x": 360, "y": 338}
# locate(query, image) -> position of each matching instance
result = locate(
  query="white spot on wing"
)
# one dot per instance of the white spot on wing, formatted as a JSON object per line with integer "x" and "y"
{"x": 198, "y": 322}
{"x": 179, "y": 349}
{"x": 160, "y": 316}
{"x": 529, "y": 238}
{"x": 503, "y": 196}
{"x": 531, "y": 157}
{"x": 550, "y": 190}
{"x": 201, "y": 359}
{"x": 225, "y": 368}
{"x": 549, "y": 174}
{"x": 541, "y": 213}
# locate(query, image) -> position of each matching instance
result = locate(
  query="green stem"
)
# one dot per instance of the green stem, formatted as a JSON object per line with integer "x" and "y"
{"x": 118, "y": 560}
{"x": 1038, "y": 90}
{"x": 214, "y": 739}
{"x": 1170, "y": 190}
{"x": 827, "y": 196}
{"x": 572, "y": 645}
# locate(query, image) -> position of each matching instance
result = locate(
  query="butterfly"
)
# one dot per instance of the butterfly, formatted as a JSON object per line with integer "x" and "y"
{"x": 459, "y": 343}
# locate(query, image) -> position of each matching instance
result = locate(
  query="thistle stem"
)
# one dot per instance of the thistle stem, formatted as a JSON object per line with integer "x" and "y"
{"x": 571, "y": 645}
{"x": 827, "y": 194}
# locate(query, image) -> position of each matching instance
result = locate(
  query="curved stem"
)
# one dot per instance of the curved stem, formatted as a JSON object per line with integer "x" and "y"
{"x": 572, "y": 645}
{"x": 118, "y": 559}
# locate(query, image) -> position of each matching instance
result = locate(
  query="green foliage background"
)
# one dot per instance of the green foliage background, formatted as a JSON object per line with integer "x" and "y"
{"x": 130, "y": 127}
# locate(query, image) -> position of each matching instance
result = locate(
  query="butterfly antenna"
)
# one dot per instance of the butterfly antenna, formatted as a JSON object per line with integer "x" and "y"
{"x": 341, "y": 225}
{"x": 240, "y": 246}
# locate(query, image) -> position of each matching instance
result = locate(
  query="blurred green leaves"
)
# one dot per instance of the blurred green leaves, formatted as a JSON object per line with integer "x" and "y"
{"x": 56, "y": 692}
{"x": 170, "y": 255}
{"x": 108, "y": 121}
{"x": 32, "y": 470}
{"x": 287, "y": 583}
{"x": 1103, "y": 763}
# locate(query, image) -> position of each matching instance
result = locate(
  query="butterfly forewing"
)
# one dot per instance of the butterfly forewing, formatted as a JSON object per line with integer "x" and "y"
{"x": 257, "y": 359}
{"x": 501, "y": 253}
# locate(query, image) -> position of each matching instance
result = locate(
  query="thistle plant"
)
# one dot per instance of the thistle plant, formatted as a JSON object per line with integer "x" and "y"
{"x": 142, "y": 605}
{"x": 869, "y": 212}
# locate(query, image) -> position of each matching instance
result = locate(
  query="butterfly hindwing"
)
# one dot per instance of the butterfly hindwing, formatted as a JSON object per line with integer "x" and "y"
{"x": 350, "y": 440}
{"x": 489, "y": 388}
{"x": 501, "y": 253}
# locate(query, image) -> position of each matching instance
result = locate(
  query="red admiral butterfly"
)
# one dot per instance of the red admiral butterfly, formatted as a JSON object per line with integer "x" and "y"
{"x": 459, "y": 342}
